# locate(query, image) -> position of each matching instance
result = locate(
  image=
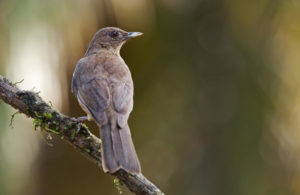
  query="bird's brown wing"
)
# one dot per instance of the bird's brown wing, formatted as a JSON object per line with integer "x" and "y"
{"x": 92, "y": 92}
{"x": 122, "y": 98}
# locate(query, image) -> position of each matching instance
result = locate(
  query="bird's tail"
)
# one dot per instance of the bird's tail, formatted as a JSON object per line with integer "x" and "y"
{"x": 118, "y": 151}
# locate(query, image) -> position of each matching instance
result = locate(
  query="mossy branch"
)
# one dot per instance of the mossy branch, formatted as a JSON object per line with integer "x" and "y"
{"x": 47, "y": 118}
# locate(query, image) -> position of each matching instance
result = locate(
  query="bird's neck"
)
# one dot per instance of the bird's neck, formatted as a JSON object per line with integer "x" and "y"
{"x": 103, "y": 49}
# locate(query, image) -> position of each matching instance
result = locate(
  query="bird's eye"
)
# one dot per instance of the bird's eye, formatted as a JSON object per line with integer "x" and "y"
{"x": 113, "y": 34}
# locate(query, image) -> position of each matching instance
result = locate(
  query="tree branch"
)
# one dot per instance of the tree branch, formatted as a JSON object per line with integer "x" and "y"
{"x": 73, "y": 132}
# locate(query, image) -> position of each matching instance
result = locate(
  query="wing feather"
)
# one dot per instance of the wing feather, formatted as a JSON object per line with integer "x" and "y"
{"x": 122, "y": 97}
{"x": 92, "y": 93}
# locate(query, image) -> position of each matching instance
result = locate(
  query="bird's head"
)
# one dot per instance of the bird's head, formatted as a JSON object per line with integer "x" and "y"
{"x": 110, "y": 38}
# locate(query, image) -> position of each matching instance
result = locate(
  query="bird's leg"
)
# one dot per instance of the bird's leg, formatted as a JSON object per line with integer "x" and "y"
{"x": 81, "y": 119}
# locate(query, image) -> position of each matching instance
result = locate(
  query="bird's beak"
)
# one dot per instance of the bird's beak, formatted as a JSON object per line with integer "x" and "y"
{"x": 132, "y": 34}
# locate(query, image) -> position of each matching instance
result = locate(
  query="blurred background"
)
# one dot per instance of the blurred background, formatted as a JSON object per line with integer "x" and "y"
{"x": 217, "y": 94}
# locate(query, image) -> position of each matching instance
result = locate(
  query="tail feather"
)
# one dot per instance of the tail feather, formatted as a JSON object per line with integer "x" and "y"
{"x": 131, "y": 161}
{"x": 118, "y": 150}
{"x": 109, "y": 162}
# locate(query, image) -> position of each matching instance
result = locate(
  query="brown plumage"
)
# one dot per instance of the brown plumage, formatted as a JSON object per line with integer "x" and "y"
{"x": 103, "y": 86}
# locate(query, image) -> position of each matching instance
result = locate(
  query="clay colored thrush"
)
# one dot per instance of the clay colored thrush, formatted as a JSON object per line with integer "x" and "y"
{"x": 103, "y": 86}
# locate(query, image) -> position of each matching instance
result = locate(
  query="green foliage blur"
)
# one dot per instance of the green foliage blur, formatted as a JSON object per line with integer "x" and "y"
{"x": 217, "y": 94}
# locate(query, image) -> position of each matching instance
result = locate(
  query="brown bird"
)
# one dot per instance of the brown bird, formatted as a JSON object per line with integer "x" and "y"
{"x": 103, "y": 86}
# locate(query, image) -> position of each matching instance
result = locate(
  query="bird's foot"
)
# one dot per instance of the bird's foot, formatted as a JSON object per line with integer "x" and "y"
{"x": 79, "y": 120}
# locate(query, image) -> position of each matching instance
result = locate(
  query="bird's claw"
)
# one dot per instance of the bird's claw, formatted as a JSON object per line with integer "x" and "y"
{"x": 79, "y": 120}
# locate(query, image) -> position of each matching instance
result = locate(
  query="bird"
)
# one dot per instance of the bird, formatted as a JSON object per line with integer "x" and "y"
{"x": 103, "y": 85}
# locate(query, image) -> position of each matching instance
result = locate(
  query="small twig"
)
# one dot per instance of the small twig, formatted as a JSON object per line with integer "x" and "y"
{"x": 18, "y": 82}
{"x": 13, "y": 118}
{"x": 47, "y": 118}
